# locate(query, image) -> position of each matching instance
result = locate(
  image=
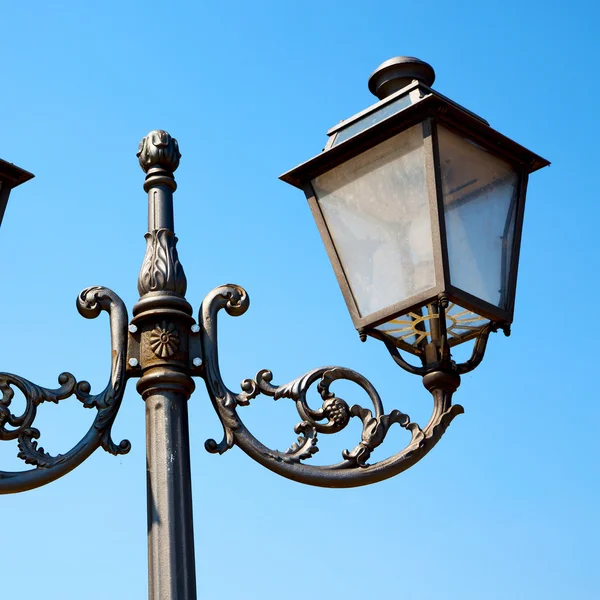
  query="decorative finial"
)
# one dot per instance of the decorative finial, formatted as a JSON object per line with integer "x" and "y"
{"x": 398, "y": 72}
{"x": 158, "y": 150}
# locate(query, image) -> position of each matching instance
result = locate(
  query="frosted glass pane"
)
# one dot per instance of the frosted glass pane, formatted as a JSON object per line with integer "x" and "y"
{"x": 480, "y": 197}
{"x": 377, "y": 210}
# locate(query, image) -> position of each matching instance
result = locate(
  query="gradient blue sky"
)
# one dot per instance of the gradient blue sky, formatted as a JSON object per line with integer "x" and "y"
{"x": 506, "y": 507}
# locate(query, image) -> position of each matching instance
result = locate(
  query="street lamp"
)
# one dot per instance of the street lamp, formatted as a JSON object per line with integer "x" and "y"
{"x": 420, "y": 205}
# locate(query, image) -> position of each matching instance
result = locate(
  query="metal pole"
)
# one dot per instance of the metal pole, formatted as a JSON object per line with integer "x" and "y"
{"x": 161, "y": 324}
{"x": 171, "y": 568}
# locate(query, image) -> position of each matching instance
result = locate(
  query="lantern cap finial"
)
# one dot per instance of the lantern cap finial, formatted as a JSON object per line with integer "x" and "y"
{"x": 398, "y": 72}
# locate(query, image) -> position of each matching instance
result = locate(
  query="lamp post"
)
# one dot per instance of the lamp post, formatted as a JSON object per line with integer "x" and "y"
{"x": 420, "y": 205}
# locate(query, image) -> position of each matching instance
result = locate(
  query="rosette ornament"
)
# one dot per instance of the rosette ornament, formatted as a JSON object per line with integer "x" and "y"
{"x": 158, "y": 150}
{"x": 164, "y": 340}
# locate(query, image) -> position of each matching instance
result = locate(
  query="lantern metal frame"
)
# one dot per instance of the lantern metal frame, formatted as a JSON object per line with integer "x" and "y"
{"x": 429, "y": 109}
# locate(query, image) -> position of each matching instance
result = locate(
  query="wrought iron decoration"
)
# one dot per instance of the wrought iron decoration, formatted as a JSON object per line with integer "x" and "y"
{"x": 165, "y": 347}
{"x": 90, "y": 303}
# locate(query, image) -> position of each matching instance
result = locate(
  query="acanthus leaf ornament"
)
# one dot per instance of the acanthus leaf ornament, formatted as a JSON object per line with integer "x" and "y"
{"x": 161, "y": 269}
{"x": 374, "y": 432}
{"x": 303, "y": 448}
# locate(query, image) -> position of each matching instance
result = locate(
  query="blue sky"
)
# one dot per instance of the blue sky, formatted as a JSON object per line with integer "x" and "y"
{"x": 506, "y": 505}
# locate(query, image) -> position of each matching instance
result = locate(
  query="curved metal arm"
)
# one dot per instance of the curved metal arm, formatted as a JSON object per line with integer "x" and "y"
{"x": 331, "y": 417}
{"x": 469, "y": 365}
{"x": 398, "y": 358}
{"x": 479, "y": 348}
{"x": 90, "y": 303}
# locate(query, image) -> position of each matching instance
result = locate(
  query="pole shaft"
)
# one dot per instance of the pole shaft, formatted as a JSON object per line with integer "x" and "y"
{"x": 171, "y": 565}
{"x": 162, "y": 319}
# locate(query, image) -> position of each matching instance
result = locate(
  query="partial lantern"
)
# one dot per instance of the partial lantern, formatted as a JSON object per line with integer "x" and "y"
{"x": 10, "y": 177}
{"x": 416, "y": 199}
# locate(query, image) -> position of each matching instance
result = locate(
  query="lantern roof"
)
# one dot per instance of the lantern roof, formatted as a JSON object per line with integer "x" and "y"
{"x": 10, "y": 177}
{"x": 13, "y": 175}
{"x": 397, "y": 110}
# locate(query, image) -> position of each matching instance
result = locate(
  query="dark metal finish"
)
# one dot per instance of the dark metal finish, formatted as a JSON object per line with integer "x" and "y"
{"x": 12, "y": 427}
{"x": 396, "y": 73}
{"x": 10, "y": 177}
{"x": 430, "y": 104}
{"x": 171, "y": 567}
{"x": 162, "y": 319}
{"x": 415, "y": 91}
{"x": 440, "y": 377}
{"x": 164, "y": 347}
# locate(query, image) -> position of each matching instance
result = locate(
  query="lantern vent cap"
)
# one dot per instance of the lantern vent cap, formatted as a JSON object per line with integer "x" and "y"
{"x": 398, "y": 72}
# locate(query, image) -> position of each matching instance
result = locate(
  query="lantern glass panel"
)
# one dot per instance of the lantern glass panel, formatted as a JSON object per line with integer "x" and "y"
{"x": 480, "y": 192}
{"x": 376, "y": 208}
{"x": 373, "y": 118}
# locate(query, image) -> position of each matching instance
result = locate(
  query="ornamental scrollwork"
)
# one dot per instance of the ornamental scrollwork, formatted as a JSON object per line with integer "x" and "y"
{"x": 332, "y": 416}
{"x": 90, "y": 303}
